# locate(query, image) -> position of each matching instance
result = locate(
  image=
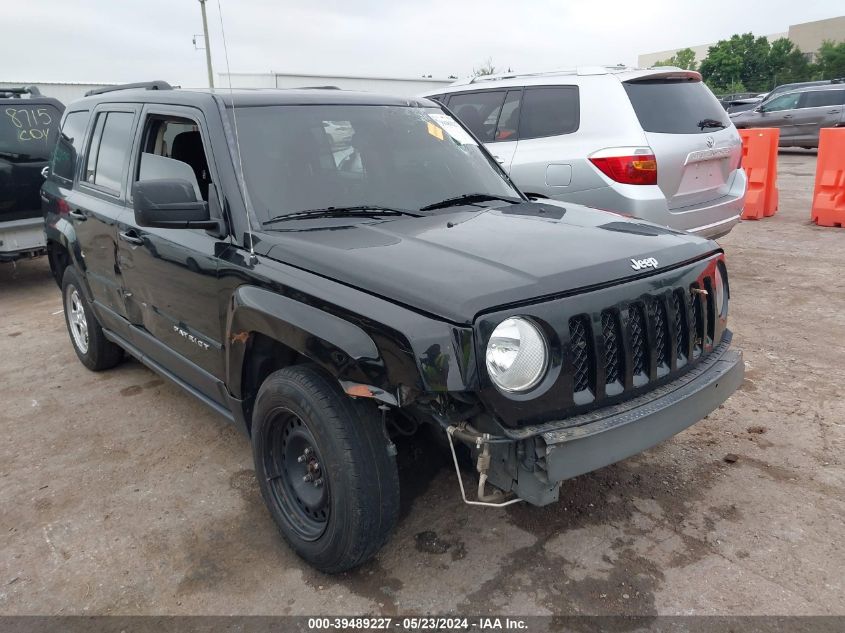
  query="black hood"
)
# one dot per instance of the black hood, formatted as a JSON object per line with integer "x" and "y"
{"x": 456, "y": 265}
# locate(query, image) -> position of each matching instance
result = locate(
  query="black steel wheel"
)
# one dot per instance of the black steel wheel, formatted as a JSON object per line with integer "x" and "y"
{"x": 324, "y": 467}
{"x": 297, "y": 477}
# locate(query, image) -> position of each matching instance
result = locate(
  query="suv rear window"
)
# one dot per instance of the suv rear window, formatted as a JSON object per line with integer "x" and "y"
{"x": 676, "y": 107}
{"x": 28, "y": 130}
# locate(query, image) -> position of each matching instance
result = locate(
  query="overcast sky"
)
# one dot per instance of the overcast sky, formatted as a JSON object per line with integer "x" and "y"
{"x": 135, "y": 40}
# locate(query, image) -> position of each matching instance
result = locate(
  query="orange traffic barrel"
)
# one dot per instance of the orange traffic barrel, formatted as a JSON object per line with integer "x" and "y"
{"x": 760, "y": 162}
{"x": 829, "y": 193}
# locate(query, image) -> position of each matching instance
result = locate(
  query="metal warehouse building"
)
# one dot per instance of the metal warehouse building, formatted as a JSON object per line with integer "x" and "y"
{"x": 401, "y": 86}
{"x": 63, "y": 91}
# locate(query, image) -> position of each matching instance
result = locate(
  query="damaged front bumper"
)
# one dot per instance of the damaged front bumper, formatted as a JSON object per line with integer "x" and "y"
{"x": 541, "y": 456}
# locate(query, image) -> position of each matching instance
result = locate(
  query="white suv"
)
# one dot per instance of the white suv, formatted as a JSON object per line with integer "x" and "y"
{"x": 654, "y": 144}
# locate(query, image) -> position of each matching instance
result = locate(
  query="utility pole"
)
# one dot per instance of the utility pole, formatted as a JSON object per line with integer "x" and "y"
{"x": 207, "y": 45}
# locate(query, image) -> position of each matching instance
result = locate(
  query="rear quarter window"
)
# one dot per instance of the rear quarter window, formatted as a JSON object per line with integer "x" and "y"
{"x": 823, "y": 98}
{"x": 669, "y": 106}
{"x": 28, "y": 130}
{"x": 69, "y": 146}
{"x": 549, "y": 111}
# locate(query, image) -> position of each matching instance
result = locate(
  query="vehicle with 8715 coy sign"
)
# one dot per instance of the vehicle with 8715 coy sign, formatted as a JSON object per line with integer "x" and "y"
{"x": 331, "y": 269}
{"x": 29, "y": 124}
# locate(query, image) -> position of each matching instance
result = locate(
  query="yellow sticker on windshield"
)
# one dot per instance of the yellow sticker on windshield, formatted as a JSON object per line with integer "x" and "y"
{"x": 434, "y": 130}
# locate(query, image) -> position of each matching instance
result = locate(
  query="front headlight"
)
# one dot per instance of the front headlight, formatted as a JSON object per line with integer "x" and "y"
{"x": 721, "y": 292}
{"x": 517, "y": 354}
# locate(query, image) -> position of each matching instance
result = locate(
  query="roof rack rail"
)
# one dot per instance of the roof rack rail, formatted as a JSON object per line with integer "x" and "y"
{"x": 319, "y": 88}
{"x": 580, "y": 70}
{"x": 146, "y": 85}
{"x": 16, "y": 93}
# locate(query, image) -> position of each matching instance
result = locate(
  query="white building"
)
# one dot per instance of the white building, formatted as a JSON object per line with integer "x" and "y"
{"x": 63, "y": 91}
{"x": 400, "y": 86}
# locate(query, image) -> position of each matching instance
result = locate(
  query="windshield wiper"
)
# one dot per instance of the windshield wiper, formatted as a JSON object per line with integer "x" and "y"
{"x": 711, "y": 123}
{"x": 468, "y": 198}
{"x": 364, "y": 210}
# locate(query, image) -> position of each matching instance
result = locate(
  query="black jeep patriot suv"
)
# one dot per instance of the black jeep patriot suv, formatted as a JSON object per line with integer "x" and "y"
{"x": 329, "y": 269}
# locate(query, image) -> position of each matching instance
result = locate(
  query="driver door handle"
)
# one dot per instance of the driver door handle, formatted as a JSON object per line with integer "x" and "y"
{"x": 76, "y": 214}
{"x": 131, "y": 236}
{"x": 787, "y": 116}
{"x": 833, "y": 111}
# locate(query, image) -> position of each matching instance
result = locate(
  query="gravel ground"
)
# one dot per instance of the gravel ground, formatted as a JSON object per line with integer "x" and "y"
{"x": 122, "y": 495}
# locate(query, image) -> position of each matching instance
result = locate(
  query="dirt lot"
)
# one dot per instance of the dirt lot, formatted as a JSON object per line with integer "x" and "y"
{"x": 121, "y": 494}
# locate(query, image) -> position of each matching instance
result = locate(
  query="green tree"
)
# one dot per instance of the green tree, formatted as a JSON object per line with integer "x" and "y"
{"x": 787, "y": 64}
{"x": 684, "y": 58}
{"x": 830, "y": 60}
{"x": 741, "y": 59}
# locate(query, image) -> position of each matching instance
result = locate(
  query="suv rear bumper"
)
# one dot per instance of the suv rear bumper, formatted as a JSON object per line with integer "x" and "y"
{"x": 19, "y": 238}
{"x": 711, "y": 219}
{"x": 610, "y": 435}
{"x": 716, "y": 229}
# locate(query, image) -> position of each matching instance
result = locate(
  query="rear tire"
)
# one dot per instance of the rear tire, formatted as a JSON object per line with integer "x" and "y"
{"x": 323, "y": 465}
{"x": 89, "y": 342}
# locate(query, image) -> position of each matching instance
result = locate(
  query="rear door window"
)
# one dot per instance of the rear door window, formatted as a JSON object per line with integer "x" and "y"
{"x": 109, "y": 151}
{"x": 479, "y": 111}
{"x": 28, "y": 131}
{"x": 670, "y": 106}
{"x": 549, "y": 111}
{"x": 823, "y": 98}
{"x": 69, "y": 147}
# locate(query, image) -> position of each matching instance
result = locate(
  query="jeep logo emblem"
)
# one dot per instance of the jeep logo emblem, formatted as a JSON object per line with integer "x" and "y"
{"x": 641, "y": 264}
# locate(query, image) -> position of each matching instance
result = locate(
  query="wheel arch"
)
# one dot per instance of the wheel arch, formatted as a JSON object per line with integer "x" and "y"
{"x": 63, "y": 250}
{"x": 267, "y": 331}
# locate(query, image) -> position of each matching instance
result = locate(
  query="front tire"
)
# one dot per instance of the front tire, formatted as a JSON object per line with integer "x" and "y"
{"x": 92, "y": 347}
{"x": 324, "y": 468}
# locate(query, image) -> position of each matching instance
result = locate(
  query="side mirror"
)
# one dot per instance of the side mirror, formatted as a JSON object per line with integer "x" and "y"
{"x": 760, "y": 108}
{"x": 170, "y": 204}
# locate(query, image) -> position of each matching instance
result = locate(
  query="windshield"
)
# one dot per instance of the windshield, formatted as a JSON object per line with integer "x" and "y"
{"x": 301, "y": 158}
{"x": 28, "y": 132}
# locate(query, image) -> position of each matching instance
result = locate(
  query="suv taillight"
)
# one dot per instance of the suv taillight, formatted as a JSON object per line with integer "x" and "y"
{"x": 628, "y": 165}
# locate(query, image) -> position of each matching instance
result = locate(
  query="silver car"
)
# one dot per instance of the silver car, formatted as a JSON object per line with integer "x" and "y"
{"x": 654, "y": 144}
{"x": 800, "y": 114}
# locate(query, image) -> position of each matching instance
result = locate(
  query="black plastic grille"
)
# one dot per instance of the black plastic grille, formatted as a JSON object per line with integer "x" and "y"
{"x": 639, "y": 342}
{"x": 711, "y": 309}
{"x": 612, "y": 347}
{"x": 580, "y": 354}
{"x": 681, "y": 330}
{"x": 696, "y": 298}
{"x": 657, "y": 314}
{"x": 637, "y": 333}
